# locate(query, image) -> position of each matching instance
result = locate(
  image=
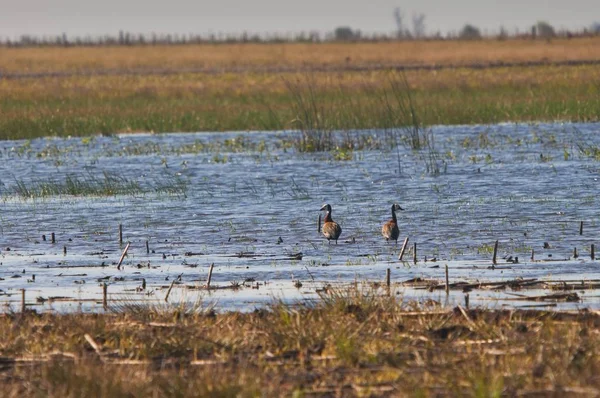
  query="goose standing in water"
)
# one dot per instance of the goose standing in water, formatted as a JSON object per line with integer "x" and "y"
{"x": 390, "y": 229}
{"x": 331, "y": 229}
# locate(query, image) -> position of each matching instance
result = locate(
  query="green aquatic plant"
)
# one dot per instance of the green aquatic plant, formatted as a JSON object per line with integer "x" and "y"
{"x": 106, "y": 184}
{"x": 342, "y": 154}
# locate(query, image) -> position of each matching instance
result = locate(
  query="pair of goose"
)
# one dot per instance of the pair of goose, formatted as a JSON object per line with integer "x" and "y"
{"x": 332, "y": 230}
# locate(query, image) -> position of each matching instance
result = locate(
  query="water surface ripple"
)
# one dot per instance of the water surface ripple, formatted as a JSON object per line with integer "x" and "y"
{"x": 249, "y": 211}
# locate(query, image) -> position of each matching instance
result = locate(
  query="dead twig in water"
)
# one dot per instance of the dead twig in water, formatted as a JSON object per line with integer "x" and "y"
{"x": 210, "y": 271}
{"x": 23, "y": 305}
{"x": 415, "y": 252}
{"x": 123, "y": 255}
{"x": 104, "y": 296}
{"x": 403, "y": 248}
{"x": 309, "y": 273}
{"x": 169, "y": 291}
{"x": 568, "y": 297}
{"x": 388, "y": 277}
{"x": 495, "y": 253}
{"x": 447, "y": 283}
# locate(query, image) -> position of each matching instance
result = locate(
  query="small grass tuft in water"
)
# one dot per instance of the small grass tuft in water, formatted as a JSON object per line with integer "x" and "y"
{"x": 108, "y": 184}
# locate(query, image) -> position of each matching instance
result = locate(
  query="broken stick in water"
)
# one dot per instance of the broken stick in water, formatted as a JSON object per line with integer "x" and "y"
{"x": 415, "y": 252}
{"x": 495, "y": 253}
{"x": 447, "y": 283}
{"x": 388, "y": 277}
{"x": 403, "y": 248}
{"x": 209, "y": 275}
{"x": 104, "y": 296}
{"x": 123, "y": 255}
{"x": 319, "y": 224}
{"x": 169, "y": 291}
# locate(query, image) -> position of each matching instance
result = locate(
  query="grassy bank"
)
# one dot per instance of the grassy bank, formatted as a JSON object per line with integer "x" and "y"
{"x": 80, "y": 105}
{"x": 350, "y": 344}
{"x": 250, "y": 98}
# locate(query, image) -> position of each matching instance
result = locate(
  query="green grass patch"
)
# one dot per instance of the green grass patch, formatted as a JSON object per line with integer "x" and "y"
{"x": 107, "y": 184}
{"x": 80, "y": 106}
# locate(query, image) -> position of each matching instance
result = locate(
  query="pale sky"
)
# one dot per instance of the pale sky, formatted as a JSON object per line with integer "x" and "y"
{"x": 83, "y": 17}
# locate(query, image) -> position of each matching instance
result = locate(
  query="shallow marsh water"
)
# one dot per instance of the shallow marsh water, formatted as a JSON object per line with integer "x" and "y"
{"x": 251, "y": 202}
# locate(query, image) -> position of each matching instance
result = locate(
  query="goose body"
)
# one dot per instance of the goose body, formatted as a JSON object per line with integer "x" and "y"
{"x": 390, "y": 229}
{"x": 331, "y": 230}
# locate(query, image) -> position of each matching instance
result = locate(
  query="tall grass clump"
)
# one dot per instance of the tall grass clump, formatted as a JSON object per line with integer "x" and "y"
{"x": 326, "y": 115}
{"x": 398, "y": 111}
{"x": 400, "y": 119}
{"x": 327, "y": 118}
{"x": 400, "y": 116}
{"x": 312, "y": 116}
{"x": 107, "y": 184}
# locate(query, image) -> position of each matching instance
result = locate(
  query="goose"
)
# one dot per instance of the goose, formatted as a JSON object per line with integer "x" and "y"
{"x": 390, "y": 229}
{"x": 331, "y": 229}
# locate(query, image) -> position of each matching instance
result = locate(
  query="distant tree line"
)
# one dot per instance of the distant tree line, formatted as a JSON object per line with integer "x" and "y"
{"x": 417, "y": 31}
{"x": 541, "y": 30}
{"x": 132, "y": 39}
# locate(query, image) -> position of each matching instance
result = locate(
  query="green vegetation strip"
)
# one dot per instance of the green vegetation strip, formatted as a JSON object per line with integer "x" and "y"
{"x": 90, "y": 185}
{"x": 351, "y": 343}
{"x": 83, "y": 106}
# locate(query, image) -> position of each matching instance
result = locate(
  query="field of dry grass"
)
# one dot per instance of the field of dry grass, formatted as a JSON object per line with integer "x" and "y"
{"x": 351, "y": 344}
{"x": 295, "y": 55}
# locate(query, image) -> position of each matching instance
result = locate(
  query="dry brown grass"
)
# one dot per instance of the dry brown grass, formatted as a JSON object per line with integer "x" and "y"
{"x": 193, "y": 85}
{"x": 352, "y": 344}
{"x": 294, "y": 55}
